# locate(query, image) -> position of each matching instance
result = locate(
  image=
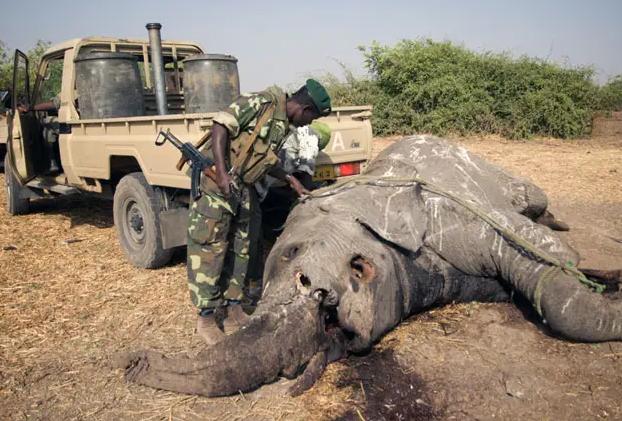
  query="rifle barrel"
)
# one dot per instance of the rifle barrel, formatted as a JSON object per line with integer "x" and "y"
{"x": 172, "y": 138}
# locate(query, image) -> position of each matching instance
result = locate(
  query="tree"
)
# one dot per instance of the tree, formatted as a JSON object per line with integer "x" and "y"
{"x": 611, "y": 95}
{"x": 6, "y": 67}
{"x": 6, "y": 62}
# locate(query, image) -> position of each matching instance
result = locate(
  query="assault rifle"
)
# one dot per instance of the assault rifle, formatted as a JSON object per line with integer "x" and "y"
{"x": 198, "y": 163}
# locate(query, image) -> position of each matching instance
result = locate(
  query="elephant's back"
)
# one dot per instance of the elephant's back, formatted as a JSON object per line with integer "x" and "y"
{"x": 460, "y": 172}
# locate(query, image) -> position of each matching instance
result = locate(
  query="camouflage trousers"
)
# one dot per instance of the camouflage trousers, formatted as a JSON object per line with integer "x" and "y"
{"x": 218, "y": 247}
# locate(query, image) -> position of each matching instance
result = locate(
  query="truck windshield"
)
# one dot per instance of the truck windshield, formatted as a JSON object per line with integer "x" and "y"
{"x": 51, "y": 83}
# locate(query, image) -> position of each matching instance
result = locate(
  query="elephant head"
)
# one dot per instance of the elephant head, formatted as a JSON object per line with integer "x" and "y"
{"x": 353, "y": 250}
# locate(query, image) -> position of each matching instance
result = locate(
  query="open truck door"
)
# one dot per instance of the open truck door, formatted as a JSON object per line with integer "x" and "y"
{"x": 5, "y": 106}
{"x": 25, "y": 147}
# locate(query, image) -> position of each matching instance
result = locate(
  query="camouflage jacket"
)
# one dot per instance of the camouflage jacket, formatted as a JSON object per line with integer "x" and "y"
{"x": 242, "y": 115}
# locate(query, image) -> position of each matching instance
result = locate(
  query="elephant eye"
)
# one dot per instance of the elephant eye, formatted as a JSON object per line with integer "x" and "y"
{"x": 290, "y": 253}
{"x": 362, "y": 269}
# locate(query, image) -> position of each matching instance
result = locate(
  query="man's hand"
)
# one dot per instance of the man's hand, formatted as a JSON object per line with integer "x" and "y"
{"x": 297, "y": 186}
{"x": 223, "y": 181}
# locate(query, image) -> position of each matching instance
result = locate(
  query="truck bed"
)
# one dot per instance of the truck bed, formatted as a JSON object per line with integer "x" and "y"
{"x": 92, "y": 145}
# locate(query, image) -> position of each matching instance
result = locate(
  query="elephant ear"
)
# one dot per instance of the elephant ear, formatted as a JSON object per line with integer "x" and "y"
{"x": 396, "y": 217}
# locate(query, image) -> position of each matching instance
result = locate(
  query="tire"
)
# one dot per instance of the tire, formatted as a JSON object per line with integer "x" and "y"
{"x": 15, "y": 205}
{"x": 136, "y": 211}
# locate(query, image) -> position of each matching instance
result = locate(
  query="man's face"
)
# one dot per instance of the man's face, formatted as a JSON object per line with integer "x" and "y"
{"x": 303, "y": 115}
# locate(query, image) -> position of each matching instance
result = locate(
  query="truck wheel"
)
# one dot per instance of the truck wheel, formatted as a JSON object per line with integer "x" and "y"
{"x": 136, "y": 211}
{"x": 15, "y": 205}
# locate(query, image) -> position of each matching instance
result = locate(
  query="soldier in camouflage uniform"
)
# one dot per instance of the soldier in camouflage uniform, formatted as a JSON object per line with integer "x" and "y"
{"x": 218, "y": 229}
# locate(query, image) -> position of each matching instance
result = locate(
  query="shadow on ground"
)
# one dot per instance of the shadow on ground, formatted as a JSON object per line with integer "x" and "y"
{"x": 79, "y": 209}
{"x": 386, "y": 390}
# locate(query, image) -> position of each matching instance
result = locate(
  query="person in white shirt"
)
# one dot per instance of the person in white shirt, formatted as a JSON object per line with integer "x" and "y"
{"x": 297, "y": 156}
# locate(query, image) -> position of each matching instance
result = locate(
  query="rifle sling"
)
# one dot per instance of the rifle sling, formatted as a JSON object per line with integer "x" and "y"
{"x": 242, "y": 157}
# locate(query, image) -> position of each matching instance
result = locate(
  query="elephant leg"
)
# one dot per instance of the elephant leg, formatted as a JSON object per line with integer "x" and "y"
{"x": 569, "y": 307}
{"x": 548, "y": 220}
{"x": 531, "y": 201}
{"x": 526, "y": 198}
{"x": 457, "y": 286}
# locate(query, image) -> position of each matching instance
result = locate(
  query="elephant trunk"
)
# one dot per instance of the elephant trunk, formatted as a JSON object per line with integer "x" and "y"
{"x": 276, "y": 341}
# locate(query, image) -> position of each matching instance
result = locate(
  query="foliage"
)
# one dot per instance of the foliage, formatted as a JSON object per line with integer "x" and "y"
{"x": 34, "y": 57}
{"x": 439, "y": 87}
{"x": 51, "y": 84}
{"x": 6, "y": 67}
{"x": 611, "y": 95}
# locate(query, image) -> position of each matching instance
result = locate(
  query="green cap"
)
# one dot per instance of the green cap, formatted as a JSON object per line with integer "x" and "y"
{"x": 323, "y": 133}
{"x": 320, "y": 97}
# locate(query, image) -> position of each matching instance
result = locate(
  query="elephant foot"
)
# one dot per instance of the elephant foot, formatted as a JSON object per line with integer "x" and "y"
{"x": 548, "y": 219}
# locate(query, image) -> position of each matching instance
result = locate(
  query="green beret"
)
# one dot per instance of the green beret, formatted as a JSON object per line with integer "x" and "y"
{"x": 320, "y": 97}
{"x": 323, "y": 133}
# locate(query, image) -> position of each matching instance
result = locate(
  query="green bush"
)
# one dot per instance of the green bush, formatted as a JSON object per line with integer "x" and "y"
{"x": 611, "y": 95}
{"x": 441, "y": 88}
{"x": 34, "y": 57}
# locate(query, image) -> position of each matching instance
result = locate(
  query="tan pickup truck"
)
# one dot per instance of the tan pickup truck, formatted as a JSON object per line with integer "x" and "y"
{"x": 116, "y": 157}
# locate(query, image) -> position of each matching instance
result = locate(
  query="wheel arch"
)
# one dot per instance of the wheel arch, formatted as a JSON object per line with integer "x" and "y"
{"x": 120, "y": 165}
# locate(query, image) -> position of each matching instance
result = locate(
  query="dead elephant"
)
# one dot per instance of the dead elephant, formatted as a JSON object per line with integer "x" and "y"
{"x": 427, "y": 224}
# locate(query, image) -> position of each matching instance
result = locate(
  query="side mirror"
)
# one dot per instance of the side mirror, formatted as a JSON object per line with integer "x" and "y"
{"x": 5, "y": 99}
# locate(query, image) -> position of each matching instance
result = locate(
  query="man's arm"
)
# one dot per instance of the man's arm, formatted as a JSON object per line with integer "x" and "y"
{"x": 220, "y": 140}
{"x": 279, "y": 173}
{"x": 42, "y": 106}
{"x": 45, "y": 106}
{"x": 305, "y": 179}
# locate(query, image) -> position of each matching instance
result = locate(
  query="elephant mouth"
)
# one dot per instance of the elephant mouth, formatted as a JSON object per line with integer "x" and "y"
{"x": 328, "y": 300}
{"x": 334, "y": 329}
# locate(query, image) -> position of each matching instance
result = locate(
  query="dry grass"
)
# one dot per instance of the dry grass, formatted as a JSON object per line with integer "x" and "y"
{"x": 68, "y": 306}
{"x": 344, "y": 390}
{"x": 69, "y": 301}
{"x": 572, "y": 170}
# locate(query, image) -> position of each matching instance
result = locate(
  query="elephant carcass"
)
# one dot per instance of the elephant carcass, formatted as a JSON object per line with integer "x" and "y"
{"x": 354, "y": 261}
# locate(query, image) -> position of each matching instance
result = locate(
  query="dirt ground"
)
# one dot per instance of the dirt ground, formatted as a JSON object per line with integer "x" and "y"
{"x": 69, "y": 301}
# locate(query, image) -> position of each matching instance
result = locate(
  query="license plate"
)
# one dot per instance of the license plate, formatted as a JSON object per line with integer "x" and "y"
{"x": 324, "y": 172}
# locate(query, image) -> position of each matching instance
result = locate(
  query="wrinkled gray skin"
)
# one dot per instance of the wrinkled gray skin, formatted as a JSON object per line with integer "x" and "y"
{"x": 350, "y": 266}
